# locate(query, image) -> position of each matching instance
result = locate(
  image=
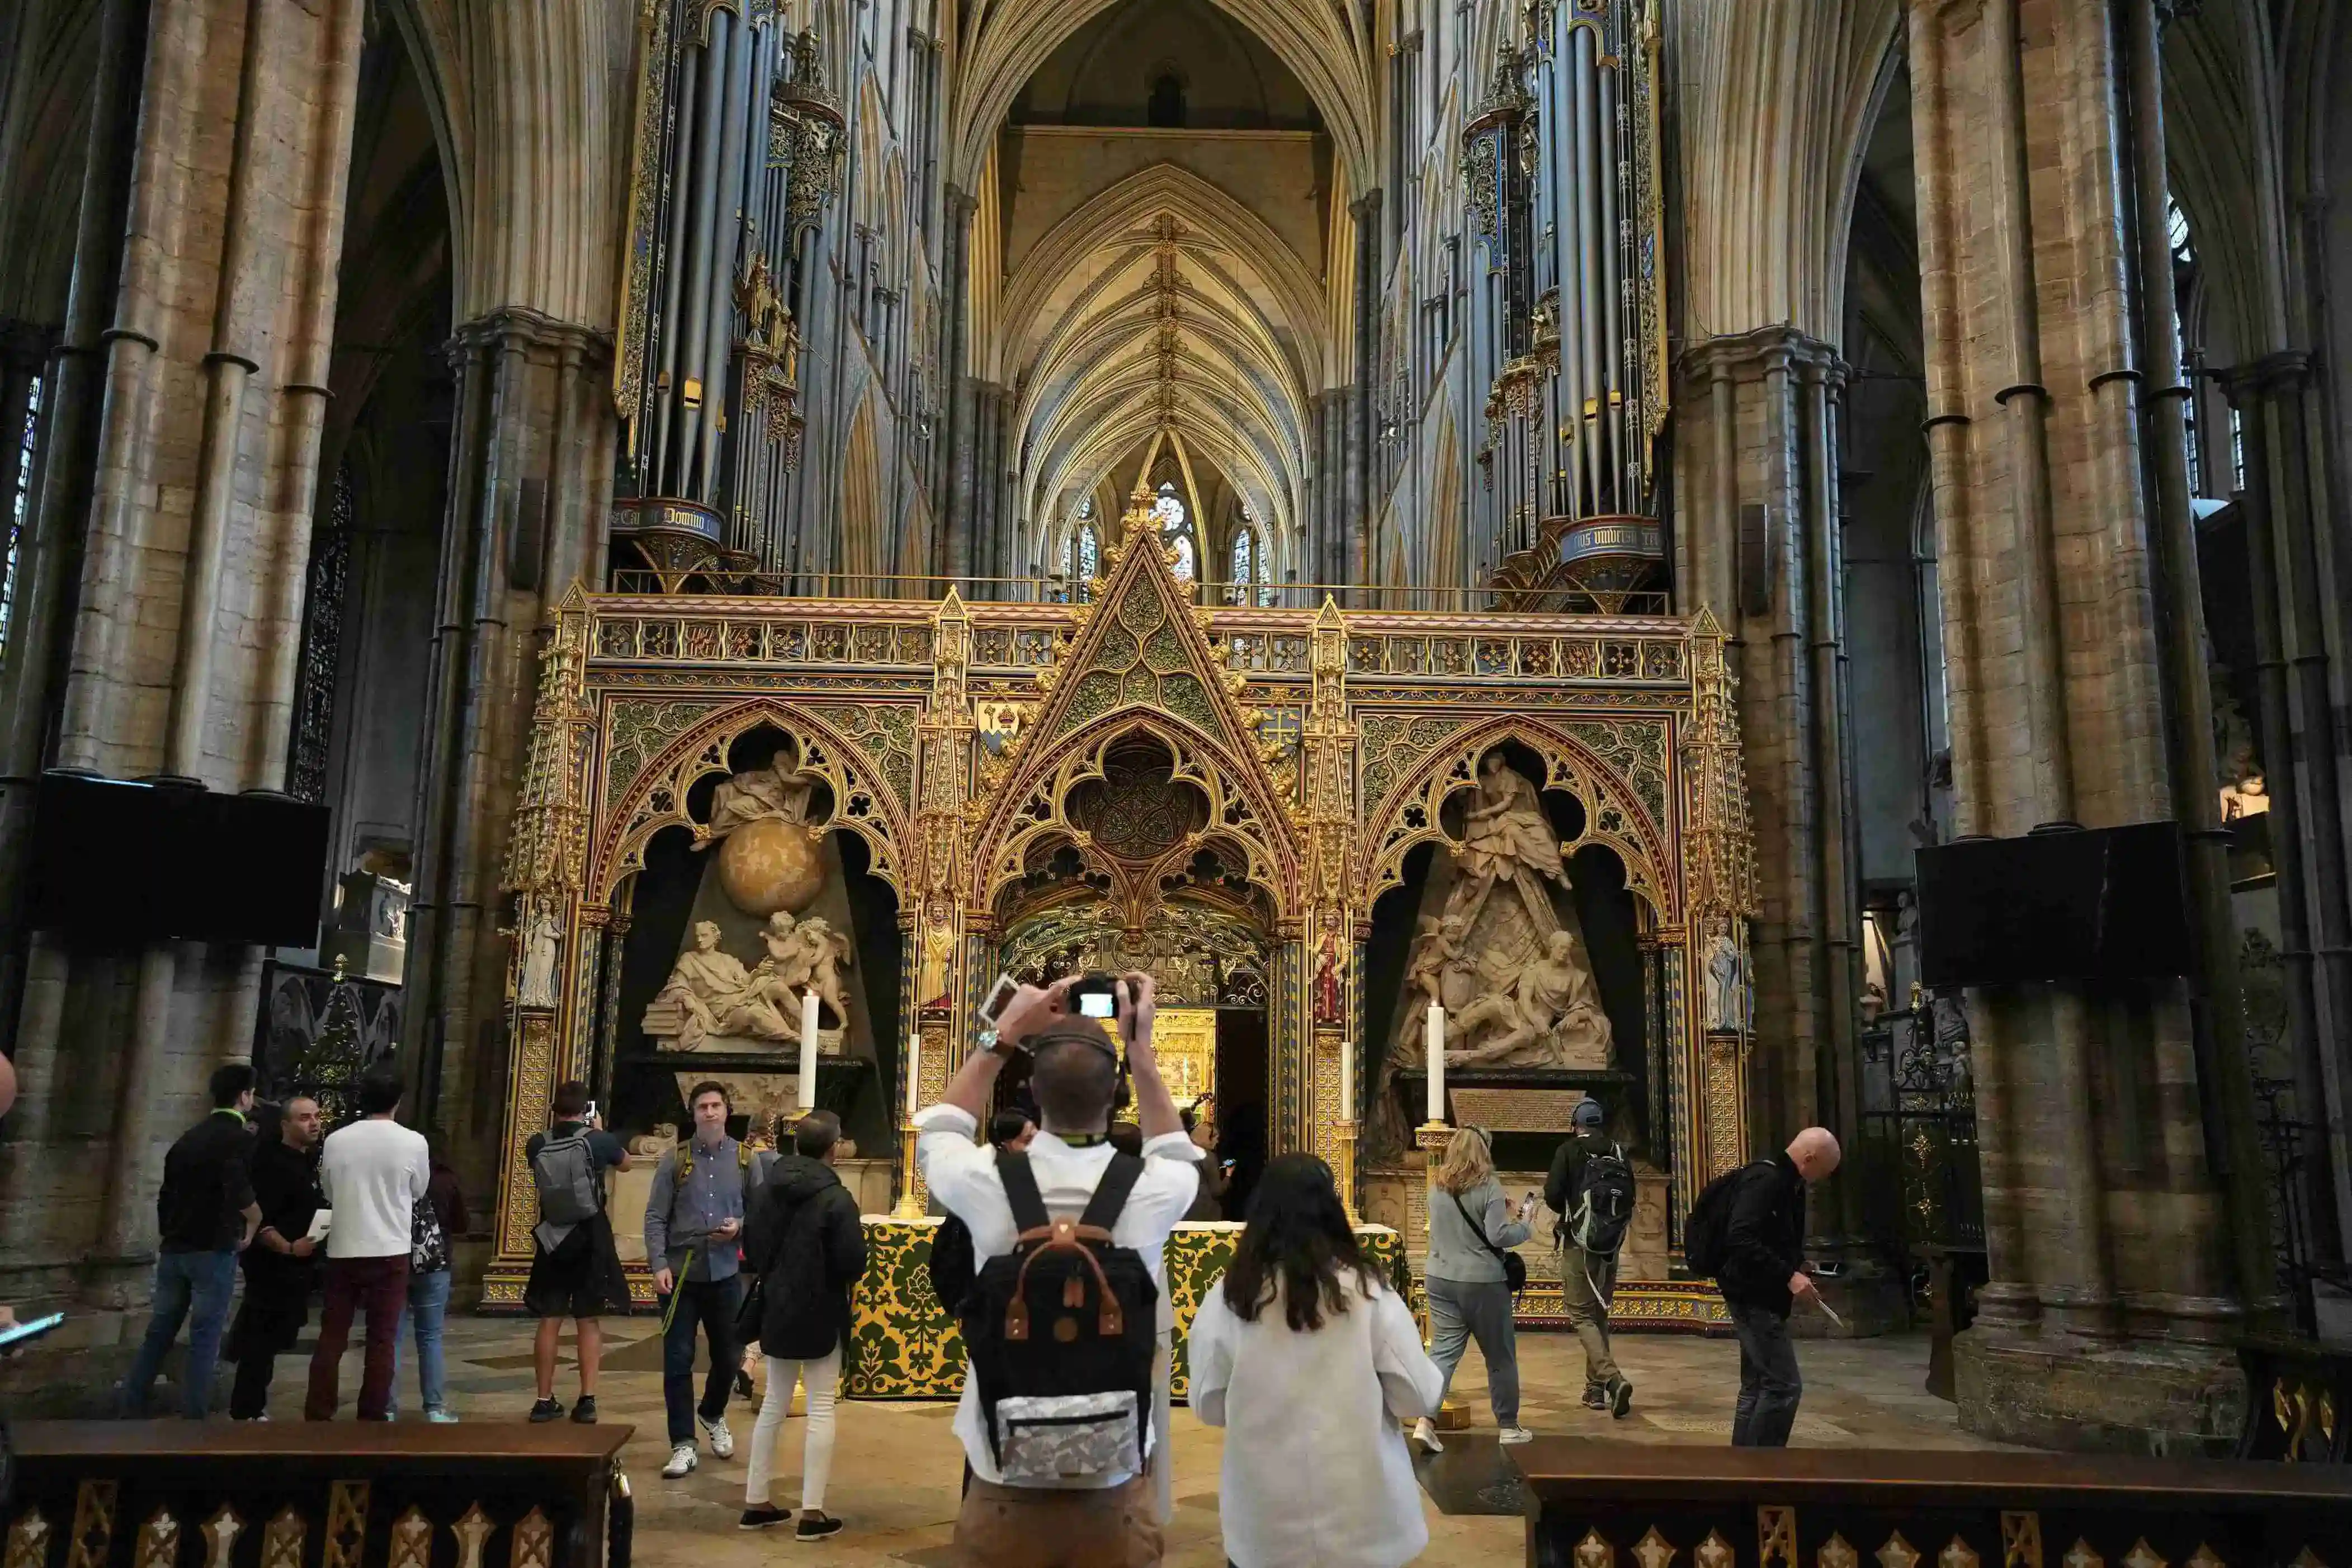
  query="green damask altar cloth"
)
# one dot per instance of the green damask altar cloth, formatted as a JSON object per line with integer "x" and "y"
{"x": 903, "y": 1346}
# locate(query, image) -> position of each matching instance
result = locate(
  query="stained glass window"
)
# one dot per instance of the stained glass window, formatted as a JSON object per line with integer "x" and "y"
{"x": 323, "y": 639}
{"x": 1176, "y": 531}
{"x": 20, "y": 503}
{"x": 1252, "y": 572}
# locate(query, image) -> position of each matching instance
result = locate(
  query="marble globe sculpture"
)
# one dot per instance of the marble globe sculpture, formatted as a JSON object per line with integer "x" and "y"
{"x": 771, "y": 865}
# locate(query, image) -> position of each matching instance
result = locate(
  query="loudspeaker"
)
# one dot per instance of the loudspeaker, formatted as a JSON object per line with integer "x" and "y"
{"x": 2082, "y": 904}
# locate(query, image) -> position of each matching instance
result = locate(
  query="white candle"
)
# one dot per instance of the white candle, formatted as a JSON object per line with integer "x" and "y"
{"x": 1347, "y": 1080}
{"x": 914, "y": 1075}
{"x": 1435, "y": 1033}
{"x": 808, "y": 1049}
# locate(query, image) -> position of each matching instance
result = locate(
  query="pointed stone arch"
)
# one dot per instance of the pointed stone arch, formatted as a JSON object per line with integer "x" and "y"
{"x": 1141, "y": 664}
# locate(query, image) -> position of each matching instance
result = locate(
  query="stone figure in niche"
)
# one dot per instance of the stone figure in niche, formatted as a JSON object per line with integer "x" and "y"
{"x": 1550, "y": 1017}
{"x": 803, "y": 955}
{"x": 1426, "y": 980}
{"x": 778, "y": 792}
{"x": 705, "y": 997}
{"x": 541, "y": 939}
{"x": 1507, "y": 838}
{"x": 1727, "y": 998}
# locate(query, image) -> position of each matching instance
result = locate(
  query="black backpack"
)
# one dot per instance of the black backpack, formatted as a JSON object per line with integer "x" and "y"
{"x": 952, "y": 1265}
{"x": 1601, "y": 1208}
{"x": 1706, "y": 1234}
{"x": 1061, "y": 1332}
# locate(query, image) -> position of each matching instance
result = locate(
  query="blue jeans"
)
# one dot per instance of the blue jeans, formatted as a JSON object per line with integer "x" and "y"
{"x": 711, "y": 1303}
{"x": 194, "y": 1287}
{"x": 1769, "y": 1385}
{"x": 428, "y": 1308}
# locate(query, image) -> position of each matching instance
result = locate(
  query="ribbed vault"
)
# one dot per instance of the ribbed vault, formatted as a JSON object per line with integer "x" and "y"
{"x": 1163, "y": 304}
{"x": 1328, "y": 47}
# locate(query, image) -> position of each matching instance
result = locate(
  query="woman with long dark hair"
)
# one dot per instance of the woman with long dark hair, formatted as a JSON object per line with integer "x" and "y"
{"x": 1311, "y": 1365}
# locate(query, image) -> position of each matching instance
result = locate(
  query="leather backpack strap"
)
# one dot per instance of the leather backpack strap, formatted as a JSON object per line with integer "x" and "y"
{"x": 1028, "y": 1204}
{"x": 1119, "y": 1179}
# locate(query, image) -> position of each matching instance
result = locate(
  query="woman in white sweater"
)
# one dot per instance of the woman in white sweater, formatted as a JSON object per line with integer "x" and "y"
{"x": 1311, "y": 1364}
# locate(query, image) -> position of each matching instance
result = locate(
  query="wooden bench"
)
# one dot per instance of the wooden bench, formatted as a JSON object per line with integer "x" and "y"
{"x": 1597, "y": 1505}
{"x": 295, "y": 1494}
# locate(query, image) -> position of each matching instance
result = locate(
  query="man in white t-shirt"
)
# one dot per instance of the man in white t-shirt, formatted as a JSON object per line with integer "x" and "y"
{"x": 372, "y": 1173}
{"x": 1102, "y": 1519}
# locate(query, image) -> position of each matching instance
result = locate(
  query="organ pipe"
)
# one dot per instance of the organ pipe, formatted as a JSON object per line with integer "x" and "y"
{"x": 736, "y": 160}
{"x": 1574, "y": 398}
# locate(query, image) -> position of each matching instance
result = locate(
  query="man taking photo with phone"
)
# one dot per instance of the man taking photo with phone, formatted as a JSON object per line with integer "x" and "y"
{"x": 1094, "y": 1509}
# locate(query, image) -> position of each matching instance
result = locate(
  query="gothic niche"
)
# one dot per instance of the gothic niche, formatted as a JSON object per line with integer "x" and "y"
{"x": 771, "y": 889}
{"x": 1498, "y": 942}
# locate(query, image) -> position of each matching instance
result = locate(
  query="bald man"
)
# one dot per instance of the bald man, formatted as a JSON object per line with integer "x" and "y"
{"x": 1763, "y": 1275}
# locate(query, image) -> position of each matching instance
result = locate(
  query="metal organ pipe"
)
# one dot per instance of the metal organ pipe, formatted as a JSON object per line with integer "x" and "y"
{"x": 725, "y": 238}
{"x": 1573, "y": 325}
{"x": 703, "y": 235}
{"x": 1588, "y": 241}
{"x": 665, "y": 401}
{"x": 1618, "y": 491}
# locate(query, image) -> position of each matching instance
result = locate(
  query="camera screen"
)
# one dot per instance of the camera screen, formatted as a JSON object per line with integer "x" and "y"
{"x": 1095, "y": 1004}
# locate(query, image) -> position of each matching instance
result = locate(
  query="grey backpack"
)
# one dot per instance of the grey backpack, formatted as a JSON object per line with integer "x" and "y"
{"x": 569, "y": 1194}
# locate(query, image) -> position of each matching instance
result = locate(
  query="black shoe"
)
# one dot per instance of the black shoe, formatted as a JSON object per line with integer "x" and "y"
{"x": 1596, "y": 1399}
{"x": 1621, "y": 1399}
{"x": 761, "y": 1517}
{"x": 546, "y": 1410}
{"x": 815, "y": 1525}
{"x": 585, "y": 1411}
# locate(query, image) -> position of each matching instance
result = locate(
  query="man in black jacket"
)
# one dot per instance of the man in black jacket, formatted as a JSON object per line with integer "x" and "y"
{"x": 279, "y": 1268}
{"x": 1763, "y": 1274}
{"x": 802, "y": 1239}
{"x": 1588, "y": 1281}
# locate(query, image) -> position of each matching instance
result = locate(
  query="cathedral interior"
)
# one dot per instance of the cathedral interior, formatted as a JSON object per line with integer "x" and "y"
{"x": 703, "y": 532}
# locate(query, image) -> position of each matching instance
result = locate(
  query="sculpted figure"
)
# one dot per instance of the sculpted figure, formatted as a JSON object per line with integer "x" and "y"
{"x": 778, "y": 792}
{"x": 1548, "y": 1017}
{"x": 1726, "y": 1005}
{"x": 803, "y": 955}
{"x": 540, "y": 939}
{"x": 1507, "y": 828}
{"x": 704, "y": 995}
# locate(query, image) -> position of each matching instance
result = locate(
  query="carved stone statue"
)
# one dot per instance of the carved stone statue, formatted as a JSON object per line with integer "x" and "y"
{"x": 541, "y": 938}
{"x": 1727, "y": 998}
{"x": 803, "y": 955}
{"x": 1549, "y": 1017}
{"x": 778, "y": 792}
{"x": 704, "y": 996}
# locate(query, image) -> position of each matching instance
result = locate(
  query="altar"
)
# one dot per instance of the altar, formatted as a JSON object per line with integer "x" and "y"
{"x": 903, "y": 1345}
{"x": 789, "y": 844}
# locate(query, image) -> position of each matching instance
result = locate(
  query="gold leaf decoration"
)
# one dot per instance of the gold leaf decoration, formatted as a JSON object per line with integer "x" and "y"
{"x": 1594, "y": 1553}
{"x": 1654, "y": 1551}
{"x": 1897, "y": 1552}
{"x": 2021, "y": 1540}
{"x": 159, "y": 1540}
{"x": 1715, "y": 1551}
{"x": 534, "y": 1542}
{"x": 412, "y": 1541}
{"x": 346, "y": 1539}
{"x": 221, "y": 1532}
{"x": 1776, "y": 1537}
{"x": 473, "y": 1533}
{"x": 282, "y": 1540}
{"x": 1838, "y": 1553}
{"x": 28, "y": 1540}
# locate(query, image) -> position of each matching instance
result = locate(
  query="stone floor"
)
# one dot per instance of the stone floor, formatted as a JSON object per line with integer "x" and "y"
{"x": 895, "y": 1467}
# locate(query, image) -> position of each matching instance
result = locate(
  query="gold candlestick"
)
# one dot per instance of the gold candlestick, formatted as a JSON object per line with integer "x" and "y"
{"x": 913, "y": 1198}
{"x": 1343, "y": 1139}
{"x": 1454, "y": 1415}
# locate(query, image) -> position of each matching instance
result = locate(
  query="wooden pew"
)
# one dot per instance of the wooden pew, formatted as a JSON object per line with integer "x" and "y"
{"x": 296, "y": 1494}
{"x": 1597, "y": 1505}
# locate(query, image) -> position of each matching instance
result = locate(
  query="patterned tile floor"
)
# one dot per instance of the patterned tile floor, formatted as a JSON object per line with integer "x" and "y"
{"x": 895, "y": 1467}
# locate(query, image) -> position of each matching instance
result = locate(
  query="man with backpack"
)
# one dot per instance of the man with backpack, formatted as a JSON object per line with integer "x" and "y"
{"x": 1747, "y": 1232}
{"x": 574, "y": 1271}
{"x": 694, "y": 1215}
{"x": 1061, "y": 1322}
{"x": 1591, "y": 1188}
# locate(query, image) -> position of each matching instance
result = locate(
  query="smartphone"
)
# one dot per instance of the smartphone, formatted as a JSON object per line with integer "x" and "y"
{"x": 1229, "y": 1165}
{"x": 1095, "y": 996}
{"x": 590, "y": 1114}
{"x": 22, "y": 1333}
{"x": 999, "y": 995}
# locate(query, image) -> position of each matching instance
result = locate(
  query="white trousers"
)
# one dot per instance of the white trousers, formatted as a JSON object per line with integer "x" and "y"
{"x": 824, "y": 1376}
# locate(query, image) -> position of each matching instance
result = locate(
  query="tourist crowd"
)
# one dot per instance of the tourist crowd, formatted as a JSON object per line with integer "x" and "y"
{"x": 1051, "y": 1255}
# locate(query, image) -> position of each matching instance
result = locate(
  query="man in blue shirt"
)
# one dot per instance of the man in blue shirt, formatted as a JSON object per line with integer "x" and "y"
{"x": 694, "y": 1219}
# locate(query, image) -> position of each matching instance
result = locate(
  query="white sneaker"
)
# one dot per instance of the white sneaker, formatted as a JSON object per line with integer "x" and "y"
{"x": 1511, "y": 1434}
{"x": 1424, "y": 1433}
{"x": 681, "y": 1462}
{"x": 722, "y": 1441}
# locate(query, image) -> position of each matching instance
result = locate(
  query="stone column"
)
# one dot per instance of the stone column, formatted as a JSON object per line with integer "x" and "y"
{"x": 1760, "y": 464}
{"x": 190, "y": 388}
{"x": 2110, "y": 1291}
{"x": 529, "y": 478}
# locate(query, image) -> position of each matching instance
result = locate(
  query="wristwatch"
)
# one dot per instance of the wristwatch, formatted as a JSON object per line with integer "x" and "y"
{"x": 987, "y": 1041}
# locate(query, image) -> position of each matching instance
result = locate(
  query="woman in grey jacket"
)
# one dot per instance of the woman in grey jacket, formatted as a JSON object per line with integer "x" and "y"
{"x": 1470, "y": 1223}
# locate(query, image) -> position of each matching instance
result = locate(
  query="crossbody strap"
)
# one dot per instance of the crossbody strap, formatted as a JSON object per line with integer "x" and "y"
{"x": 1475, "y": 1229}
